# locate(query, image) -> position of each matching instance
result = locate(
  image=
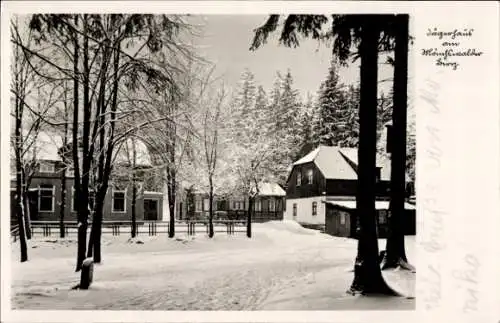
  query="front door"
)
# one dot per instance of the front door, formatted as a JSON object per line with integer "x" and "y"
{"x": 151, "y": 210}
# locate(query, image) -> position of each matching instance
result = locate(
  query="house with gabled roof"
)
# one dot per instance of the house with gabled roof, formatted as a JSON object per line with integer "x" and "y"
{"x": 327, "y": 176}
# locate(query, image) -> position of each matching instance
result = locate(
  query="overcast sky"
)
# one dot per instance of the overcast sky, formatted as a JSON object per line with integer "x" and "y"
{"x": 226, "y": 41}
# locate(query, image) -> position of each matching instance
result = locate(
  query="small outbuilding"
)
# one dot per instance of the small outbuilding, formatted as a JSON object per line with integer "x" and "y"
{"x": 340, "y": 218}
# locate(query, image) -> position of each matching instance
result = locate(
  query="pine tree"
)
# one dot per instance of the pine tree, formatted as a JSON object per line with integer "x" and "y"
{"x": 334, "y": 113}
{"x": 285, "y": 125}
{"x": 307, "y": 119}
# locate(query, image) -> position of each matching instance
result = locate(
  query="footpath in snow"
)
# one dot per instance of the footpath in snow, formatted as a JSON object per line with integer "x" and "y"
{"x": 283, "y": 267}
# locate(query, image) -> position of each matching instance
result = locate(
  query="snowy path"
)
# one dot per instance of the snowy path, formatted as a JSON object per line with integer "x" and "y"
{"x": 277, "y": 269}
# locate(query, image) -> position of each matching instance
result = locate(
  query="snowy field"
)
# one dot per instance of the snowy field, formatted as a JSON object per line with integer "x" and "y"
{"x": 283, "y": 267}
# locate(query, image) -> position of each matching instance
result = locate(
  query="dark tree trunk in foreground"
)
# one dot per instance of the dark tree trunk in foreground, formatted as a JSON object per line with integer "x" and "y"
{"x": 367, "y": 274}
{"x": 82, "y": 189}
{"x": 63, "y": 203}
{"x": 249, "y": 216}
{"x": 27, "y": 213}
{"x": 171, "y": 201}
{"x": 395, "y": 255}
{"x": 134, "y": 202}
{"x": 19, "y": 188}
{"x": 22, "y": 232}
{"x": 96, "y": 232}
{"x": 211, "y": 211}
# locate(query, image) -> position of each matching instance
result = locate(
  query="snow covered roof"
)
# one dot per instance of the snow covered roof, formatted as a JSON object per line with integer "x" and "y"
{"x": 271, "y": 189}
{"x": 308, "y": 158}
{"x": 340, "y": 163}
{"x": 379, "y": 205}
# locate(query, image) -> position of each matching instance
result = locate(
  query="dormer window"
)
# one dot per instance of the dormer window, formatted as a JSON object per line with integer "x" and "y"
{"x": 47, "y": 168}
{"x": 299, "y": 178}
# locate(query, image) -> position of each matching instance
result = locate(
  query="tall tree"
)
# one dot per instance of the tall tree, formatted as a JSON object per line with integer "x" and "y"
{"x": 65, "y": 154}
{"x": 307, "y": 124}
{"x": 32, "y": 98}
{"x": 212, "y": 147}
{"x": 368, "y": 277}
{"x": 348, "y": 30}
{"x": 333, "y": 109}
{"x": 250, "y": 145}
{"x": 19, "y": 87}
{"x": 395, "y": 251}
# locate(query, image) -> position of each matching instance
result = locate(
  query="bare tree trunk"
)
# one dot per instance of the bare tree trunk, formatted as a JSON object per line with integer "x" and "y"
{"x": 171, "y": 201}
{"x": 64, "y": 157}
{"x": 134, "y": 192}
{"x": 95, "y": 233}
{"x": 19, "y": 191}
{"x": 22, "y": 233}
{"x": 63, "y": 204}
{"x": 27, "y": 213}
{"x": 104, "y": 162}
{"x": 84, "y": 185}
{"x": 249, "y": 215}
{"x": 367, "y": 275}
{"x": 211, "y": 211}
{"x": 395, "y": 255}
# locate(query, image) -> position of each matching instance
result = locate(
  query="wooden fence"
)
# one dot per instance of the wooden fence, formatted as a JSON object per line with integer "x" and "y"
{"x": 149, "y": 228}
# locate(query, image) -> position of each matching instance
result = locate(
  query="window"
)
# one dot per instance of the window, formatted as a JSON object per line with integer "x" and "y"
{"x": 47, "y": 168}
{"x": 377, "y": 174}
{"x": 46, "y": 198}
{"x": 272, "y": 205}
{"x": 315, "y": 208}
{"x": 119, "y": 201}
{"x": 278, "y": 205}
{"x": 221, "y": 205}
{"x": 238, "y": 205}
{"x": 294, "y": 209}
{"x": 310, "y": 176}
{"x": 299, "y": 178}
{"x": 342, "y": 218}
{"x": 258, "y": 205}
{"x": 206, "y": 205}
{"x": 74, "y": 202}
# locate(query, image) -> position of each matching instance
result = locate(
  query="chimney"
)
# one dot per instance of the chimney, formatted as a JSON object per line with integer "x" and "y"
{"x": 388, "y": 132}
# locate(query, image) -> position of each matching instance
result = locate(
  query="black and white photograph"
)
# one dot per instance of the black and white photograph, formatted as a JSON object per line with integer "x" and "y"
{"x": 215, "y": 162}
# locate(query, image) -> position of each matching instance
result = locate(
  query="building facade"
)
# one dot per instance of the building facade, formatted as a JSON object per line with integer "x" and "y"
{"x": 269, "y": 205}
{"x": 328, "y": 174}
{"x": 45, "y": 191}
{"x": 45, "y": 198}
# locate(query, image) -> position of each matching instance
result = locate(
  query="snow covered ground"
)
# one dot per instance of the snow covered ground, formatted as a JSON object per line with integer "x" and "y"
{"x": 283, "y": 267}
